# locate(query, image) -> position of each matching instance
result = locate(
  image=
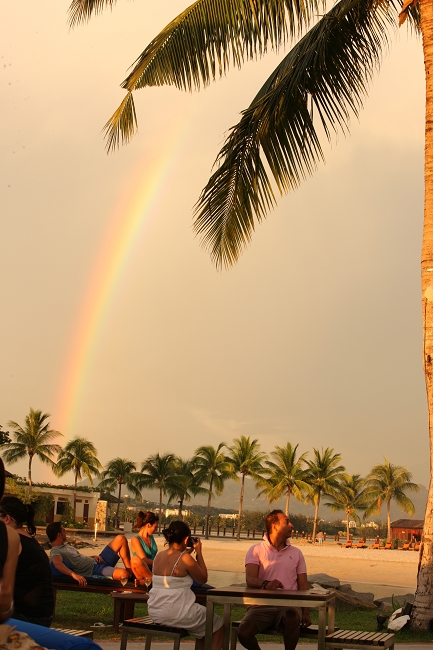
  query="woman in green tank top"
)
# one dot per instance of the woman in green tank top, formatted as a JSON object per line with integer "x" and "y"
{"x": 143, "y": 546}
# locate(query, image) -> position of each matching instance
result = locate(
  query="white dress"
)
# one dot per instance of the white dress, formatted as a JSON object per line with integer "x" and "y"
{"x": 171, "y": 602}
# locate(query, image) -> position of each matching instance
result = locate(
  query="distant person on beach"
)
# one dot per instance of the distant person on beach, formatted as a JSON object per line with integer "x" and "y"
{"x": 68, "y": 561}
{"x": 143, "y": 546}
{"x": 275, "y": 564}
{"x": 33, "y": 592}
{"x": 319, "y": 537}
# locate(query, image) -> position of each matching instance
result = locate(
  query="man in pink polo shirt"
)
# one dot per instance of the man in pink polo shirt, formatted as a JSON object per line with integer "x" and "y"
{"x": 275, "y": 564}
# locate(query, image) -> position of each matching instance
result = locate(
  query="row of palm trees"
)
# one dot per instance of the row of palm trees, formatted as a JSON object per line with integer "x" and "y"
{"x": 281, "y": 475}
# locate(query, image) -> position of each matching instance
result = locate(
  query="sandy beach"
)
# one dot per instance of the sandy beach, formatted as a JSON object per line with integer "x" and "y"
{"x": 225, "y": 561}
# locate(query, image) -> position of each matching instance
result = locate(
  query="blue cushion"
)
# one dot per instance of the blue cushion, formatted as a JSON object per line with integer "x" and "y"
{"x": 52, "y": 639}
{"x": 55, "y": 572}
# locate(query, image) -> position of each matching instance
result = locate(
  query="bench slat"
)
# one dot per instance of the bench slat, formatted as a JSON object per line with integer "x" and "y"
{"x": 347, "y": 638}
{"x": 84, "y": 633}
{"x": 145, "y": 623}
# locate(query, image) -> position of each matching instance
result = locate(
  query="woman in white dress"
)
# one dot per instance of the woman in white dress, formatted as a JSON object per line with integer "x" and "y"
{"x": 171, "y": 601}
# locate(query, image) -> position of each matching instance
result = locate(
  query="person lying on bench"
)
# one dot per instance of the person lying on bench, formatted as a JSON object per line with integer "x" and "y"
{"x": 78, "y": 566}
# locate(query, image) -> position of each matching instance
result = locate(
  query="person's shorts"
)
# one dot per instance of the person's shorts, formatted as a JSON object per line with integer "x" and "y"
{"x": 106, "y": 568}
{"x": 264, "y": 616}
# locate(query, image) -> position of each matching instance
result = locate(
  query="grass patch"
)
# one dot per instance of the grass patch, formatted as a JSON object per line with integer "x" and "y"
{"x": 81, "y": 610}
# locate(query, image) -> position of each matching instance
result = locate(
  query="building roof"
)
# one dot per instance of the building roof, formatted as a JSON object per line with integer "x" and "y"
{"x": 408, "y": 523}
{"x": 110, "y": 498}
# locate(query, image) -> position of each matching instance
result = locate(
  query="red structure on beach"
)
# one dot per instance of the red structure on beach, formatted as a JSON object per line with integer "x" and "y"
{"x": 407, "y": 529}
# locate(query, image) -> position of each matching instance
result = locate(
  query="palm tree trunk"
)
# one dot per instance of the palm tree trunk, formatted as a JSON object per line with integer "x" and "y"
{"x": 241, "y": 500}
{"x": 75, "y": 495}
{"x": 347, "y": 525}
{"x": 388, "y": 518}
{"x": 208, "y": 509}
{"x": 316, "y": 516}
{"x": 118, "y": 505}
{"x": 423, "y": 603}
{"x": 29, "y": 473}
{"x": 180, "y": 509}
{"x": 287, "y": 501}
{"x": 160, "y": 509}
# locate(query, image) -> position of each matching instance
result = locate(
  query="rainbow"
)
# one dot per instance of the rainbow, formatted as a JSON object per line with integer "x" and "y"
{"x": 139, "y": 201}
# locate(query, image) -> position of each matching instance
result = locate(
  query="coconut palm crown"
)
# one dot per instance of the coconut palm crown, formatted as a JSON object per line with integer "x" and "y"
{"x": 33, "y": 439}
{"x": 386, "y": 483}
{"x": 285, "y": 475}
{"x": 324, "y": 475}
{"x": 184, "y": 482}
{"x": 119, "y": 472}
{"x": 213, "y": 468}
{"x": 349, "y": 497}
{"x": 80, "y": 457}
{"x": 247, "y": 460}
{"x": 157, "y": 472}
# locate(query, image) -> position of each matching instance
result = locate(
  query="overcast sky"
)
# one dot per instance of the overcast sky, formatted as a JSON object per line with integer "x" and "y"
{"x": 117, "y": 324}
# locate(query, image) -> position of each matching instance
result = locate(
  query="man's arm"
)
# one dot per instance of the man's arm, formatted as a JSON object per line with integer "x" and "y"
{"x": 304, "y": 586}
{"x": 62, "y": 568}
{"x": 252, "y": 572}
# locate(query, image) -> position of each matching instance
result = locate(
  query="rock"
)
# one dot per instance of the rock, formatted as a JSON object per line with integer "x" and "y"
{"x": 386, "y": 604}
{"x": 363, "y": 595}
{"x": 347, "y": 602}
{"x": 328, "y": 582}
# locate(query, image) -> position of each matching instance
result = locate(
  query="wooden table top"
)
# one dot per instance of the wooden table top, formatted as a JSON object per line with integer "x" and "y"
{"x": 138, "y": 596}
{"x": 251, "y": 592}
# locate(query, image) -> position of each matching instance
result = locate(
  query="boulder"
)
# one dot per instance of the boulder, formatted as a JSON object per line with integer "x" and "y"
{"x": 322, "y": 579}
{"x": 388, "y": 604}
{"x": 347, "y": 602}
{"x": 363, "y": 595}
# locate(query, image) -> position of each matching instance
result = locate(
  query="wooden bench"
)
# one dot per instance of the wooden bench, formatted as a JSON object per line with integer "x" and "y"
{"x": 94, "y": 586}
{"x": 311, "y": 632}
{"x": 146, "y": 626}
{"x": 362, "y": 640}
{"x": 88, "y": 634}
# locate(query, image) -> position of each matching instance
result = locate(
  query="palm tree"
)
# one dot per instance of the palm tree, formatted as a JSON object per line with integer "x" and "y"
{"x": 157, "y": 472}
{"x": 34, "y": 439}
{"x": 349, "y": 497}
{"x": 285, "y": 476}
{"x": 247, "y": 460}
{"x": 385, "y": 483}
{"x": 324, "y": 476}
{"x": 118, "y": 472}
{"x": 328, "y": 70}
{"x": 184, "y": 483}
{"x": 78, "y": 456}
{"x": 213, "y": 468}
{"x": 4, "y": 437}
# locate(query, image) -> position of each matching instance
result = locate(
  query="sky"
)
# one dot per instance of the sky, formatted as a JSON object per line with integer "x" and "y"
{"x": 114, "y": 319}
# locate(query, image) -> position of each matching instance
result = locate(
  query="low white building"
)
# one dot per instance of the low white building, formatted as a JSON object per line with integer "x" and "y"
{"x": 86, "y": 504}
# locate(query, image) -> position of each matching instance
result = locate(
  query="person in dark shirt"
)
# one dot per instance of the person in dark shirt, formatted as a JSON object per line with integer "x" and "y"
{"x": 33, "y": 592}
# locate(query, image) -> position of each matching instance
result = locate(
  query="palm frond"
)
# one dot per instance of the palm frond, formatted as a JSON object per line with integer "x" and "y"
{"x": 122, "y": 125}
{"x": 210, "y": 35}
{"x": 81, "y": 10}
{"x": 326, "y": 73}
{"x": 201, "y": 44}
